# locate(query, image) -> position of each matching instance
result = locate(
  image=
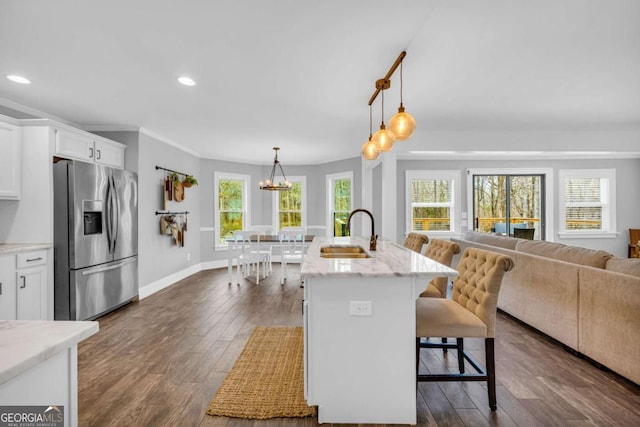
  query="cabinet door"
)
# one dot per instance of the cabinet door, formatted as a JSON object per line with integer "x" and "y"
{"x": 74, "y": 145}
{"x": 109, "y": 154}
{"x": 10, "y": 161}
{"x": 8, "y": 287}
{"x": 31, "y": 284}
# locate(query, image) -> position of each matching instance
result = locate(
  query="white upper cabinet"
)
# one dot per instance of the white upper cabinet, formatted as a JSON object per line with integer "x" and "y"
{"x": 89, "y": 148}
{"x": 10, "y": 161}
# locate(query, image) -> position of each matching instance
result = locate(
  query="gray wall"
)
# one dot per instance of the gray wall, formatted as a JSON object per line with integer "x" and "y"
{"x": 158, "y": 256}
{"x": 627, "y": 194}
{"x": 261, "y": 202}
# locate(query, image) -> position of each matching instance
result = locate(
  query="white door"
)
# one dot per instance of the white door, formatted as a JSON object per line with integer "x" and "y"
{"x": 8, "y": 287}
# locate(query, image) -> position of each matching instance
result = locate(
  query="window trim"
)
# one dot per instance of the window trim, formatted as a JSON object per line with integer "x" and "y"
{"x": 246, "y": 211}
{"x": 548, "y": 191}
{"x": 611, "y": 232}
{"x": 275, "y": 210}
{"x": 330, "y": 180}
{"x": 456, "y": 200}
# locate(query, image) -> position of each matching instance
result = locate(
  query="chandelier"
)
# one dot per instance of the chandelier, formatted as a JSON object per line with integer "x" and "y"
{"x": 271, "y": 184}
{"x": 401, "y": 125}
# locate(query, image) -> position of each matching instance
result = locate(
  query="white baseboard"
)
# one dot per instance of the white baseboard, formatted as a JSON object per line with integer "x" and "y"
{"x": 167, "y": 281}
{"x": 211, "y": 265}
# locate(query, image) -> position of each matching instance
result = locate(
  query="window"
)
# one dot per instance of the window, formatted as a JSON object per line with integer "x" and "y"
{"x": 433, "y": 201}
{"x": 339, "y": 202}
{"x": 231, "y": 205}
{"x": 587, "y": 202}
{"x": 289, "y": 206}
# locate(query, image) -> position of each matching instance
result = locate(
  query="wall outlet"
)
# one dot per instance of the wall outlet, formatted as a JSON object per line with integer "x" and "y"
{"x": 188, "y": 256}
{"x": 360, "y": 308}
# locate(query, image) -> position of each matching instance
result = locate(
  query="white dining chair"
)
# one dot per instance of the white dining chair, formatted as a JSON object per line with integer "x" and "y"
{"x": 265, "y": 249}
{"x": 249, "y": 258}
{"x": 292, "y": 248}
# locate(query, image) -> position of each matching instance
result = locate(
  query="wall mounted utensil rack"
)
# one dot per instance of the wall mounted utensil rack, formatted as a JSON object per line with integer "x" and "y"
{"x": 172, "y": 213}
{"x": 172, "y": 171}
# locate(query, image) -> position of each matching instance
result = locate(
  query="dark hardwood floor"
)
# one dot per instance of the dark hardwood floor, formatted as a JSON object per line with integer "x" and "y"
{"x": 159, "y": 362}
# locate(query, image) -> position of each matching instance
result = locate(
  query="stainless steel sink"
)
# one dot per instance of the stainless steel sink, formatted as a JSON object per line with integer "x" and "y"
{"x": 343, "y": 251}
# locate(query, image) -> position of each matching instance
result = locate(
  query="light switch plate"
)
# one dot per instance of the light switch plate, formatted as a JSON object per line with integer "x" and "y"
{"x": 360, "y": 308}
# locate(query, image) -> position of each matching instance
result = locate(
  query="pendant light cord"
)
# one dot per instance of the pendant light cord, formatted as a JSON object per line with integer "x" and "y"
{"x": 382, "y": 118}
{"x": 401, "y": 62}
{"x": 370, "y": 122}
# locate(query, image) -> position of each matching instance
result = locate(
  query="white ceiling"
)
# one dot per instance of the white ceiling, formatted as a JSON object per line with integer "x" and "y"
{"x": 298, "y": 74}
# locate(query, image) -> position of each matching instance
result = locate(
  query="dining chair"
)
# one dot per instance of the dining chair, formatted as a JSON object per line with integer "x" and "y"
{"x": 470, "y": 313}
{"x": 292, "y": 248}
{"x": 524, "y": 233}
{"x": 250, "y": 258}
{"x": 415, "y": 241}
{"x": 263, "y": 248}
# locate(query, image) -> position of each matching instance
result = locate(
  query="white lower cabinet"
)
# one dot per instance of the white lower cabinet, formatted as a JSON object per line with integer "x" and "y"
{"x": 8, "y": 292}
{"x": 24, "y": 286}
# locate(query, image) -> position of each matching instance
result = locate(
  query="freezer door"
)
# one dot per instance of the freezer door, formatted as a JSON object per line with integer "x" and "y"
{"x": 102, "y": 288}
{"x": 125, "y": 225}
{"x": 89, "y": 242}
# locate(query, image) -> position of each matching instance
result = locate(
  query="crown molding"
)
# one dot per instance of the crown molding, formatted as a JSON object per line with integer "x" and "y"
{"x": 170, "y": 142}
{"x": 36, "y": 113}
{"x": 517, "y": 155}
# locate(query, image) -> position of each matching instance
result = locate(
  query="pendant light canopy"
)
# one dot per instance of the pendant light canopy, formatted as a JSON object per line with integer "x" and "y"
{"x": 402, "y": 124}
{"x": 271, "y": 184}
{"x": 369, "y": 149}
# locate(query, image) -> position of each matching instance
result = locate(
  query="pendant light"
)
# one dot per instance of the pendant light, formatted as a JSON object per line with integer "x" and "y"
{"x": 402, "y": 124}
{"x": 369, "y": 149}
{"x": 383, "y": 139}
{"x": 270, "y": 183}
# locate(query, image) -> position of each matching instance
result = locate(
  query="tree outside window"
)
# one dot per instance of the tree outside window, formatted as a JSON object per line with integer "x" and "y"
{"x": 342, "y": 205}
{"x": 290, "y": 206}
{"x": 433, "y": 201}
{"x": 230, "y": 198}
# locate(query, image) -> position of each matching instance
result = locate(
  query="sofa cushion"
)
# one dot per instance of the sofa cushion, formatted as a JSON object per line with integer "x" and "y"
{"x": 490, "y": 239}
{"x": 561, "y": 252}
{"x": 630, "y": 266}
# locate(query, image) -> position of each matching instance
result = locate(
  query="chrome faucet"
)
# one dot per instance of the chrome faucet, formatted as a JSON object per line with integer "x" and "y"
{"x": 374, "y": 237}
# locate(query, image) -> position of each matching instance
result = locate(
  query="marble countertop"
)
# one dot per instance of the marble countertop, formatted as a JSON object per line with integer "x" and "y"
{"x": 26, "y": 343}
{"x": 389, "y": 260}
{"x": 12, "y": 248}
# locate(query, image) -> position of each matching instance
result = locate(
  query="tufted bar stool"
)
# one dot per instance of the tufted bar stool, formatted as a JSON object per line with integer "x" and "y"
{"x": 415, "y": 241}
{"x": 443, "y": 252}
{"x": 471, "y": 312}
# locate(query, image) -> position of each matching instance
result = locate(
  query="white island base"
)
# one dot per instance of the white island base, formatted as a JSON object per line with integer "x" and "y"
{"x": 38, "y": 364}
{"x": 360, "y": 368}
{"x": 359, "y": 325}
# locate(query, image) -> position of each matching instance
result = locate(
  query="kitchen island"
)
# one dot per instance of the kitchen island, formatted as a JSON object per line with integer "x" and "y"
{"x": 359, "y": 329}
{"x": 38, "y": 364}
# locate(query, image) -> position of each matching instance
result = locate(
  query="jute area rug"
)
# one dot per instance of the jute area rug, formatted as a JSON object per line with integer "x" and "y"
{"x": 267, "y": 380}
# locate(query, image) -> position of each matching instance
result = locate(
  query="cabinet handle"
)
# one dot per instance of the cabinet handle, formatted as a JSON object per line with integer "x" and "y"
{"x": 34, "y": 259}
{"x": 0, "y": 288}
{"x": 99, "y": 154}
{"x": 24, "y": 282}
{"x": 90, "y": 152}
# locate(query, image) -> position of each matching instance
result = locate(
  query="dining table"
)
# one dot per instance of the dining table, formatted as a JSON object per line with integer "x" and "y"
{"x": 262, "y": 240}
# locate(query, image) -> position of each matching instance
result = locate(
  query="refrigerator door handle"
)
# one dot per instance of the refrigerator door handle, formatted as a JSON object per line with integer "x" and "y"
{"x": 108, "y": 214}
{"x": 108, "y": 267}
{"x": 115, "y": 224}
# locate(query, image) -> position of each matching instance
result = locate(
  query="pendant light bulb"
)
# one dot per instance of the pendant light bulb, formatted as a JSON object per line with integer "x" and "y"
{"x": 369, "y": 150}
{"x": 402, "y": 124}
{"x": 383, "y": 139}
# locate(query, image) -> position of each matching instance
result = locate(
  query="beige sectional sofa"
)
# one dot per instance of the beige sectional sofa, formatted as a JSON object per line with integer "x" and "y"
{"x": 589, "y": 300}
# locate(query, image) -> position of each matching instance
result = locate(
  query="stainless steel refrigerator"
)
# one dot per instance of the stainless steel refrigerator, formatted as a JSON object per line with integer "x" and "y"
{"x": 95, "y": 239}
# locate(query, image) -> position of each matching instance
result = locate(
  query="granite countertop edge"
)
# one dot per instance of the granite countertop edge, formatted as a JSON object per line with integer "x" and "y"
{"x": 27, "y": 343}
{"x": 14, "y": 248}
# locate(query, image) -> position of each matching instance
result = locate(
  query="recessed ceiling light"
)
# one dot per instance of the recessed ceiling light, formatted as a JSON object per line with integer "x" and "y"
{"x": 187, "y": 81}
{"x": 18, "y": 79}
